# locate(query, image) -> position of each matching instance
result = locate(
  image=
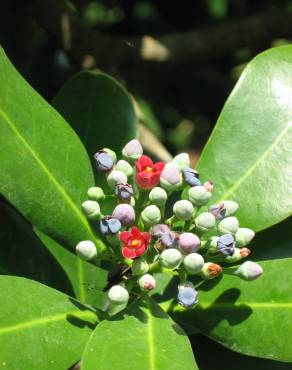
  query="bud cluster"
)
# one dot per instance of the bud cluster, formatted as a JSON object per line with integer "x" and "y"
{"x": 197, "y": 242}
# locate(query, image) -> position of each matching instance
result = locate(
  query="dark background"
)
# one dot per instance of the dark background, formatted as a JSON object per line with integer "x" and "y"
{"x": 195, "y": 55}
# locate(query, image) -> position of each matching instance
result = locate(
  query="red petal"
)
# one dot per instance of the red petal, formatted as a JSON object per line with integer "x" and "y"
{"x": 144, "y": 162}
{"x": 143, "y": 181}
{"x": 159, "y": 166}
{"x": 129, "y": 253}
{"x": 140, "y": 251}
{"x": 146, "y": 237}
{"x": 136, "y": 233}
{"x": 155, "y": 178}
{"x": 125, "y": 236}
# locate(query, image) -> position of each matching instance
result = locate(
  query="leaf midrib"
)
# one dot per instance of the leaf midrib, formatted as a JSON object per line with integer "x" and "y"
{"x": 150, "y": 338}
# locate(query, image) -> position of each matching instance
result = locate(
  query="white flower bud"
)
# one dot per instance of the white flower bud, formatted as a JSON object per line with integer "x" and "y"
{"x": 231, "y": 207}
{"x": 125, "y": 167}
{"x": 118, "y": 295}
{"x": 243, "y": 236}
{"x": 158, "y": 196}
{"x": 91, "y": 209}
{"x": 170, "y": 258}
{"x": 95, "y": 193}
{"x": 116, "y": 177}
{"x": 140, "y": 266}
{"x": 182, "y": 160}
{"x": 193, "y": 263}
{"x": 183, "y": 210}
{"x": 199, "y": 196}
{"x": 228, "y": 225}
{"x": 151, "y": 215}
{"x": 249, "y": 271}
{"x": 205, "y": 221}
{"x": 133, "y": 150}
{"x": 86, "y": 250}
{"x": 147, "y": 282}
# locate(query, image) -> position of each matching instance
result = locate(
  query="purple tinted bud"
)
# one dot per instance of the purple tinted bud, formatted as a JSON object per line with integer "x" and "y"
{"x": 249, "y": 271}
{"x": 169, "y": 239}
{"x": 159, "y": 230}
{"x": 187, "y": 295}
{"x": 218, "y": 211}
{"x": 189, "y": 242}
{"x": 109, "y": 225}
{"x": 170, "y": 177}
{"x": 124, "y": 191}
{"x": 133, "y": 150}
{"x": 226, "y": 245}
{"x": 125, "y": 213}
{"x": 191, "y": 176}
{"x": 103, "y": 161}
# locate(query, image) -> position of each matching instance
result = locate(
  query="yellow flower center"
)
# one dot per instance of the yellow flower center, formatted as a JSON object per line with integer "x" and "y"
{"x": 148, "y": 169}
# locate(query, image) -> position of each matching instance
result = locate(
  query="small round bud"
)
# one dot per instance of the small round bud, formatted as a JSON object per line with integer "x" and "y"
{"x": 125, "y": 167}
{"x": 159, "y": 230}
{"x": 133, "y": 150}
{"x": 170, "y": 258}
{"x": 183, "y": 210}
{"x": 158, "y": 196}
{"x": 110, "y": 153}
{"x": 86, "y": 250}
{"x": 228, "y": 225}
{"x": 187, "y": 295}
{"x": 182, "y": 160}
{"x": 125, "y": 213}
{"x": 170, "y": 178}
{"x": 189, "y": 242}
{"x": 118, "y": 295}
{"x": 109, "y": 225}
{"x": 210, "y": 270}
{"x": 208, "y": 185}
{"x": 225, "y": 245}
{"x": 244, "y": 236}
{"x": 140, "y": 266}
{"x": 211, "y": 244}
{"x": 249, "y": 271}
{"x": 169, "y": 240}
{"x": 103, "y": 161}
{"x": 231, "y": 207}
{"x": 191, "y": 176}
{"x": 91, "y": 209}
{"x": 151, "y": 215}
{"x": 205, "y": 221}
{"x": 219, "y": 211}
{"x": 199, "y": 196}
{"x": 147, "y": 282}
{"x": 116, "y": 177}
{"x": 239, "y": 254}
{"x": 193, "y": 263}
{"x": 124, "y": 192}
{"x": 95, "y": 193}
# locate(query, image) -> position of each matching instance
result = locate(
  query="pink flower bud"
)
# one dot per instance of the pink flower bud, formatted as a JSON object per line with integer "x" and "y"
{"x": 125, "y": 214}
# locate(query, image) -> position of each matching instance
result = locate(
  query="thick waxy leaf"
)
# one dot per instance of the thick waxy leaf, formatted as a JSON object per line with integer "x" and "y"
{"x": 40, "y": 328}
{"x": 99, "y": 109}
{"x": 22, "y": 253}
{"x": 141, "y": 338}
{"x": 248, "y": 155}
{"x": 45, "y": 171}
{"x": 87, "y": 279}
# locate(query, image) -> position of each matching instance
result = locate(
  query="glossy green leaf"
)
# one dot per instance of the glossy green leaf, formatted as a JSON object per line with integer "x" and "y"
{"x": 87, "y": 279}
{"x": 248, "y": 155}
{"x": 99, "y": 109}
{"x": 45, "y": 171}
{"x": 40, "y": 328}
{"x": 142, "y": 337}
{"x": 23, "y": 254}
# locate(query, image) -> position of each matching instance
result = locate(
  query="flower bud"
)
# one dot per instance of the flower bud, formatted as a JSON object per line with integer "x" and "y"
{"x": 219, "y": 211}
{"x": 170, "y": 178}
{"x": 208, "y": 185}
{"x": 124, "y": 192}
{"x": 139, "y": 266}
{"x": 125, "y": 167}
{"x": 91, "y": 209}
{"x": 183, "y": 210}
{"x": 95, "y": 193}
{"x": 170, "y": 258}
{"x": 111, "y": 153}
{"x": 151, "y": 215}
{"x": 169, "y": 240}
{"x": 158, "y": 196}
{"x": 118, "y": 295}
{"x": 103, "y": 161}
{"x": 182, "y": 160}
{"x": 159, "y": 230}
{"x": 193, "y": 263}
{"x": 199, "y": 196}
{"x": 109, "y": 225}
{"x": 205, "y": 221}
{"x": 210, "y": 270}
{"x": 211, "y": 244}
{"x": 116, "y": 177}
{"x": 228, "y": 225}
{"x": 187, "y": 295}
{"x": 86, "y": 250}
{"x": 225, "y": 245}
{"x": 231, "y": 207}
{"x": 189, "y": 242}
{"x": 239, "y": 254}
{"x": 147, "y": 282}
{"x": 125, "y": 213}
{"x": 191, "y": 176}
{"x": 133, "y": 150}
{"x": 244, "y": 236}
{"x": 249, "y": 271}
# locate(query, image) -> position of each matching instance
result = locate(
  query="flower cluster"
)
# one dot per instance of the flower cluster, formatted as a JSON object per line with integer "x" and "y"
{"x": 196, "y": 241}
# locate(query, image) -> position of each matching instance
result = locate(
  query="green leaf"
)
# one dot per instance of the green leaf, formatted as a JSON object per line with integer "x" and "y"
{"x": 45, "y": 171}
{"x": 40, "y": 328}
{"x": 142, "y": 337}
{"x": 87, "y": 279}
{"x": 22, "y": 253}
{"x": 248, "y": 155}
{"x": 99, "y": 109}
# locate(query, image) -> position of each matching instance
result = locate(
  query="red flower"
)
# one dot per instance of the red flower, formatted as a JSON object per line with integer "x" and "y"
{"x": 135, "y": 242}
{"x": 147, "y": 173}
